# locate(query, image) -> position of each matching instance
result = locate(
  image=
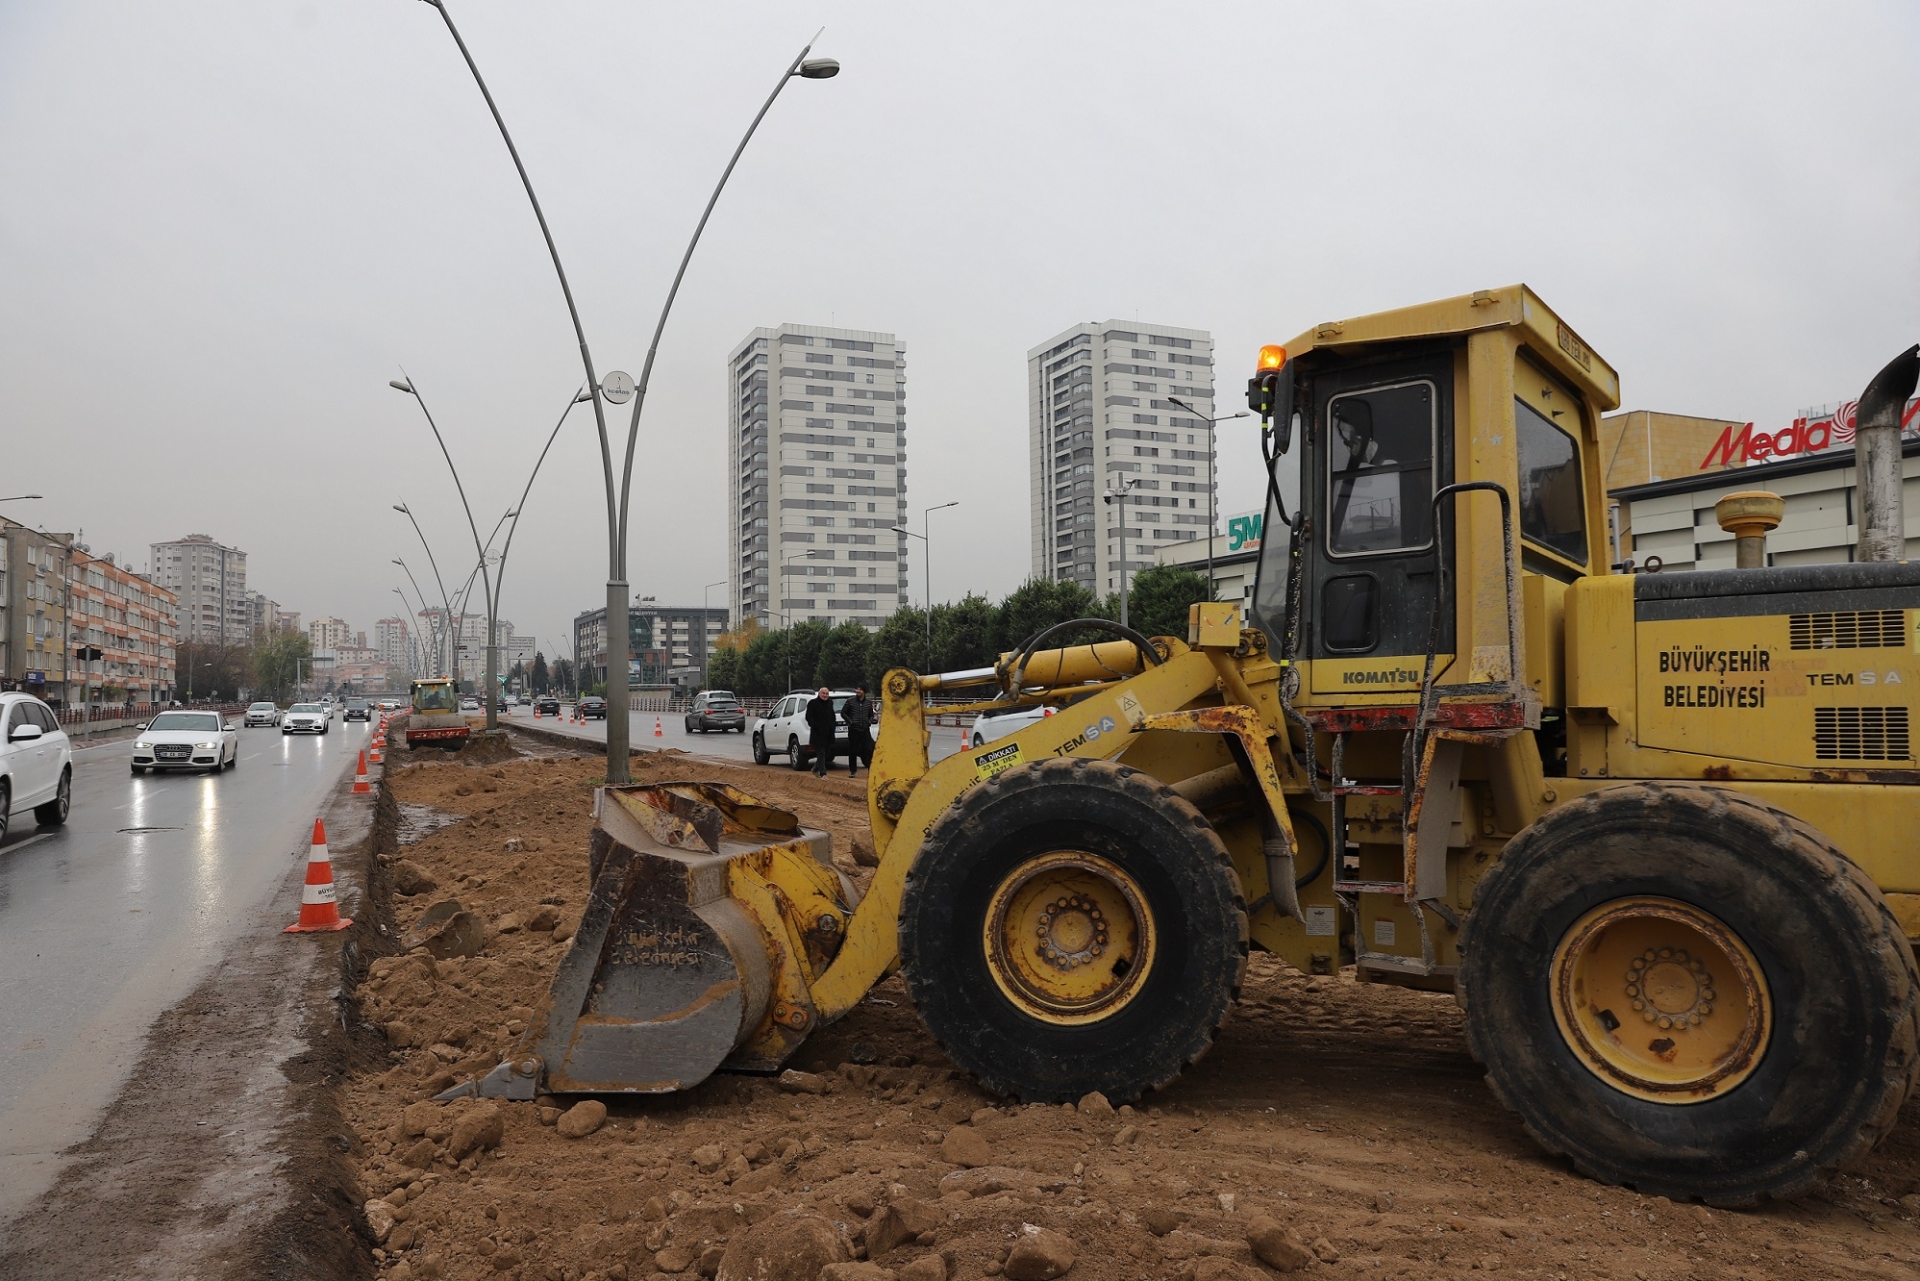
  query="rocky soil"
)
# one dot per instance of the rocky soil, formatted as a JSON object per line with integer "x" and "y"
{"x": 1337, "y": 1129}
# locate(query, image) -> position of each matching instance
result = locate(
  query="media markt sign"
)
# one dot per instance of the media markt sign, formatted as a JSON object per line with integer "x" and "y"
{"x": 1815, "y": 431}
{"x": 1243, "y": 531}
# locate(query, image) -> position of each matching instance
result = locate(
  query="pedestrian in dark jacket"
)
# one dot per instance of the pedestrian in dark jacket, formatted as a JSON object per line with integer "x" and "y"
{"x": 859, "y": 717}
{"x": 820, "y": 731}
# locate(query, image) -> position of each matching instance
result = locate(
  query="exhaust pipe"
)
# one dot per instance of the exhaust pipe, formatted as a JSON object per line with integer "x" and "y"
{"x": 1876, "y": 452}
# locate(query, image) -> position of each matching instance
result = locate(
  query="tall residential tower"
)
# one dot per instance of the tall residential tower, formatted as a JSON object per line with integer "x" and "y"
{"x": 209, "y": 580}
{"x": 1098, "y": 412}
{"x": 817, "y": 449}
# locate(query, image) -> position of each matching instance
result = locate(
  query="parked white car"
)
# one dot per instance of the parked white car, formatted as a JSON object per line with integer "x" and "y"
{"x": 307, "y": 718}
{"x": 988, "y": 726}
{"x": 186, "y": 740}
{"x": 36, "y": 763}
{"x": 783, "y": 730}
{"x": 263, "y": 714}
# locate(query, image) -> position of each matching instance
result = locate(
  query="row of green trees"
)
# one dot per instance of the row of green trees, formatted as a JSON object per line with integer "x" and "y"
{"x": 267, "y": 668}
{"x": 971, "y": 632}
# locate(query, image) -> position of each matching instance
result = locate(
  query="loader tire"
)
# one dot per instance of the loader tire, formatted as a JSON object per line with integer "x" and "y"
{"x": 1071, "y": 926}
{"x": 1684, "y": 990}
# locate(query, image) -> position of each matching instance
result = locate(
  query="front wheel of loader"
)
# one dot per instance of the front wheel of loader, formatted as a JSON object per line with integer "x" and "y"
{"x": 1072, "y": 926}
{"x": 1685, "y": 990}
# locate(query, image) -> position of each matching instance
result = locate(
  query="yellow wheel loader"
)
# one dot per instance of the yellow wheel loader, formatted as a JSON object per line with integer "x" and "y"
{"x": 1655, "y": 831}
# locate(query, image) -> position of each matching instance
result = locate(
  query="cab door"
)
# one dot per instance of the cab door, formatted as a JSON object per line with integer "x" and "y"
{"x": 1380, "y": 447}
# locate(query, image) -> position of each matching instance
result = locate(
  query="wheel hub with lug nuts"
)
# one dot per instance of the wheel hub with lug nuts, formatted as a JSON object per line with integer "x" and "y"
{"x": 1661, "y": 999}
{"x": 1072, "y": 932}
{"x": 1068, "y": 937}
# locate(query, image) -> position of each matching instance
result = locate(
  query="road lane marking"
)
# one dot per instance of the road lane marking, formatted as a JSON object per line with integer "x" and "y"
{"x": 20, "y": 845}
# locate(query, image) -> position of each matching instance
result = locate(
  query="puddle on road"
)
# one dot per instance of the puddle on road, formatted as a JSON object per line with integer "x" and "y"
{"x": 417, "y": 822}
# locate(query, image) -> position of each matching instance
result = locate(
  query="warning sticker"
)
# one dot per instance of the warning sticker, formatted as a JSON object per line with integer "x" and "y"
{"x": 1320, "y": 921}
{"x": 1131, "y": 711}
{"x": 987, "y": 764}
{"x": 1383, "y": 932}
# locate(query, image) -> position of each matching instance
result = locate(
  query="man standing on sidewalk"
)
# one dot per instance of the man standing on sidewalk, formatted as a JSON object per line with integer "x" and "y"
{"x": 859, "y": 717}
{"x": 820, "y": 730}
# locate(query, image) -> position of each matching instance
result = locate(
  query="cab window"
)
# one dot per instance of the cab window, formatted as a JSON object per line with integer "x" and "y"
{"x": 1380, "y": 445}
{"x": 1552, "y": 511}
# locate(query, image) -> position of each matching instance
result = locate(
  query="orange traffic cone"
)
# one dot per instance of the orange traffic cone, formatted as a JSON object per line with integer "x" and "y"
{"x": 373, "y": 753}
{"x": 536, "y": 711}
{"x": 318, "y": 911}
{"x": 657, "y": 731}
{"x": 360, "y": 785}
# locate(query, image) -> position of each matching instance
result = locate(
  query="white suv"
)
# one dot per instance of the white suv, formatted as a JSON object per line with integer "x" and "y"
{"x": 783, "y": 730}
{"x": 36, "y": 763}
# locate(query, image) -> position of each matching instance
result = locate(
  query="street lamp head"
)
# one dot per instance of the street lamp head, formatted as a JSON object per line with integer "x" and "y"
{"x": 402, "y": 509}
{"x": 401, "y": 384}
{"x": 583, "y": 398}
{"x": 819, "y": 69}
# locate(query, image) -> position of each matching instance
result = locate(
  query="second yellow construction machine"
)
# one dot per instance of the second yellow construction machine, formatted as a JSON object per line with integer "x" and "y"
{"x": 1656, "y": 831}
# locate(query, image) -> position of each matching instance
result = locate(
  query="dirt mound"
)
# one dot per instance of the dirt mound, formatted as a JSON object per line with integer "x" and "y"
{"x": 1333, "y": 1120}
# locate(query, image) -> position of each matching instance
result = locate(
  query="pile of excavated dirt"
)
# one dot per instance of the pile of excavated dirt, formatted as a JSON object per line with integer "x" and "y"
{"x": 1337, "y": 1129}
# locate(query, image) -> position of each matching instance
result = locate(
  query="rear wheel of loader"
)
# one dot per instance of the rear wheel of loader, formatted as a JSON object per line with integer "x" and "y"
{"x": 1072, "y": 926}
{"x": 1685, "y": 990}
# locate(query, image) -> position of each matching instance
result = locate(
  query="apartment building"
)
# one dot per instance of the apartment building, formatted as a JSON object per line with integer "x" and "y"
{"x": 130, "y": 620}
{"x": 390, "y": 642}
{"x": 33, "y": 610}
{"x": 209, "y": 580}
{"x": 328, "y": 632}
{"x": 1101, "y": 419}
{"x": 816, "y": 447}
{"x": 266, "y": 619}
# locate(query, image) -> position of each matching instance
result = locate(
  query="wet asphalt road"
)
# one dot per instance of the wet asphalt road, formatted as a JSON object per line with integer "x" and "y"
{"x": 108, "y": 921}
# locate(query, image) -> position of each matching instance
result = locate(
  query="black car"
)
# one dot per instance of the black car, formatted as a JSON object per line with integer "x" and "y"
{"x": 357, "y": 710}
{"x": 593, "y": 707}
{"x": 547, "y": 705}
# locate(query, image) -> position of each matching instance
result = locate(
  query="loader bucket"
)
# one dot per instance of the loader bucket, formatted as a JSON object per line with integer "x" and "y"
{"x": 669, "y": 974}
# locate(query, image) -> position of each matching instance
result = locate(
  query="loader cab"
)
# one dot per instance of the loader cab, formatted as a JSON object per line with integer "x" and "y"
{"x": 1386, "y": 413}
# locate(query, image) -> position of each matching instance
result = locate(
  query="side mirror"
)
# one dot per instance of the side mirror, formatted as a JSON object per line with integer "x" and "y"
{"x": 24, "y": 733}
{"x": 141, "y": 728}
{"x": 1270, "y": 395}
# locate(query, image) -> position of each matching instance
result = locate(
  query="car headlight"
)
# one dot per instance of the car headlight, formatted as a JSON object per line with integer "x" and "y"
{"x": 143, "y": 747}
{"x": 206, "y": 746}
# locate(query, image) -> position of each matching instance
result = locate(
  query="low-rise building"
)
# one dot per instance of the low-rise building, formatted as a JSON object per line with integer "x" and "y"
{"x": 127, "y": 617}
{"x": 33, "y": 610}
{"x": 1809, "y": 463}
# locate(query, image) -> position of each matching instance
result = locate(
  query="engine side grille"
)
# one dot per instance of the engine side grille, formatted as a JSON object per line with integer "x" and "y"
{"x": 1849, "y": 629}
{"x": 1861, "y": 734}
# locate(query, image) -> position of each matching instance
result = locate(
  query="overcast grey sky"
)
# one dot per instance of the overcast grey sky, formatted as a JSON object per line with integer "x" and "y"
{"x": 225, "y": 226}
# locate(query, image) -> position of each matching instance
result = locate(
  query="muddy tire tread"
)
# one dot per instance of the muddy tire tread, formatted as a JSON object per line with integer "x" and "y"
{"x": 1889, "y": 950}
{"x": 1142, "y": 787}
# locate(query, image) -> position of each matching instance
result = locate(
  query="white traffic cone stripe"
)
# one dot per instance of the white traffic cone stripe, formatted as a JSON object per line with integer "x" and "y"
{"x": 317, "y": 893}
{"x": 318, "y": 854}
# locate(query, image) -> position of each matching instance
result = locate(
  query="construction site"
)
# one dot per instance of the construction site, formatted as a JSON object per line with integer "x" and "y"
{"x": 1556, "y": 921}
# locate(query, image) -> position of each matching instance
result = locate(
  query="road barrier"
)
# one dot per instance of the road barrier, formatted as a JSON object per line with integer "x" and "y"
{"x": 318, "y": 911}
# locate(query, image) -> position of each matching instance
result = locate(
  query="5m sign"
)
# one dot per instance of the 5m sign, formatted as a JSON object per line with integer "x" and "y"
{"x": 1243, "y": 532}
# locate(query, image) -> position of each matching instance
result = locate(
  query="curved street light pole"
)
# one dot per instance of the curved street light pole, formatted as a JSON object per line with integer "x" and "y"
{"x": 433, "y": 624}
{"x": 407, "y": 606}
{"x": 1213, "y": 453}
{"x": 405, "y": 383}
{"x": 926, "y": 562}
{"x": 500, "y": 570}
{"x": 618, "y": 730}
{"x": 433, "y": 564}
